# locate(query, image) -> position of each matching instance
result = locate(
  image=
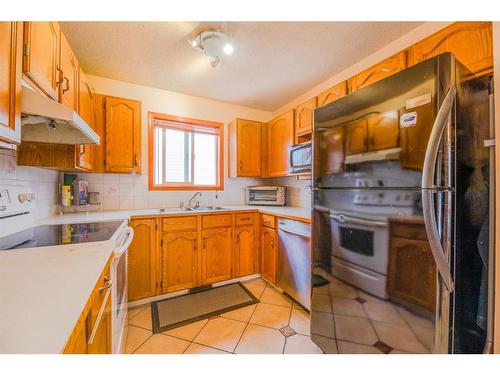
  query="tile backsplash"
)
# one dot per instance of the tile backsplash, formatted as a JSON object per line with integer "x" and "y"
{"x": 123, "y": 191}
{"x": 43, "y": 182}
{"x": 298, "y": 191}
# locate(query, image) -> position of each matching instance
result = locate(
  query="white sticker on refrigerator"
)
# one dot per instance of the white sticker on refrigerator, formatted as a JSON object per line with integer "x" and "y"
{"x": 408, "y": 120}
{"x": 419, "y": 101}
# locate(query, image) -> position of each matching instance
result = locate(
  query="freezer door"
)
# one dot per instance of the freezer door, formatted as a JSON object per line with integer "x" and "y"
{"x": 381, "y": 130}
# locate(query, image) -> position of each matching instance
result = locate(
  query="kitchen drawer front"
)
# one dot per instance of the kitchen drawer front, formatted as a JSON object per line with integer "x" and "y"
{"x": 244, "y": 219}
{"x": 410, "y": 231}
{"x": 268, "y": 221}
{"x": 212, "y": 221}
{"x": 173, "y": 224}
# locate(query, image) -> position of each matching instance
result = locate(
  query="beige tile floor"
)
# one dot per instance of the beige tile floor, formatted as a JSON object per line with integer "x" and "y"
{"x": 348, "y": 320}
{"x": 253, "y": 329}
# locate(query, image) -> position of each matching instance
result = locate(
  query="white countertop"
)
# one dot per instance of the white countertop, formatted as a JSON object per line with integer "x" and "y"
{"x": 44, "y": 290}
{"x": 82, "y": 217}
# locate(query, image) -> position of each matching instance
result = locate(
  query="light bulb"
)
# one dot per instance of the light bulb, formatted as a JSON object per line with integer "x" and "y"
{"x": 228, "y": 49}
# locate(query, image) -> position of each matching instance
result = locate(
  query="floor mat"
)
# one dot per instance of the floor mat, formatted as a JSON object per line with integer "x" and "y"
{"x": 189, "y": 308}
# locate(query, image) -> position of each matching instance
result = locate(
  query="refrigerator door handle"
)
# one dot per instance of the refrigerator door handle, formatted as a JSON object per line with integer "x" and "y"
{"x": 428, "y": 174}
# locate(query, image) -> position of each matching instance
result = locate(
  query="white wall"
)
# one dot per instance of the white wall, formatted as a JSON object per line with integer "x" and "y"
{"x": 127, "y": 191}
{"x": 43, "y": 182}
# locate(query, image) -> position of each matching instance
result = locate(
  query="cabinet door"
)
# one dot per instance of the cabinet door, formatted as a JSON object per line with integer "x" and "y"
{"x": 249, "y": 148}
{"x": 86, "y": 110}
{"x": 332, "y": 94}
{"x": 179, "y": 261}
{"x": 142, "y": 260}
{"x": 70, "y": 69}
{"x": 123, "y": 135}
{"x": 356, "y": 135}
{"x": 304, "y": 117}
{"x": 269, "y": 254}
{"x": 10, "y": 82}
{"x": 41, "y": 56}
{"x": 412, "y": 260}
{"x": 217, "y": 256}
{"x": 470, "y": 42}
{"x": 280, "y": 135}
{"x": 383, "y": 131}
{"x": 379, "y": 71}
{"x": 245, "y": 250}
{"x": 100, "y": 340}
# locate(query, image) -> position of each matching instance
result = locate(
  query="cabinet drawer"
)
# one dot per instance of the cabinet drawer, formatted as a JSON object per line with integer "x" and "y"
{"x": 170, "y": 224}
{"x": 268, "y": 221}
{"x": 211, "y": 221}
{"x": 410, "y": 231}
{"x": 244, "y": 219}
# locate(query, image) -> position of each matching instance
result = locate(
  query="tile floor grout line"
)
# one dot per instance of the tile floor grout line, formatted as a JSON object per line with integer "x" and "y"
{"x": 412, "y": 330}
{"x": 247, "y": 323}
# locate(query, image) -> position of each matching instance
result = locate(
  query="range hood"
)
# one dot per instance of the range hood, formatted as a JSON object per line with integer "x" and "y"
{"x": 47, "y": 121}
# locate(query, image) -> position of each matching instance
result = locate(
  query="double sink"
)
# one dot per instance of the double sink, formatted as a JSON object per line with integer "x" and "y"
{"x": 199, "y": 208}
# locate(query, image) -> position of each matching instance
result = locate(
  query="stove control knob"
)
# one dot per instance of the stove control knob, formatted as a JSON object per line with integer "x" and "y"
{"x": 22, "y": 198}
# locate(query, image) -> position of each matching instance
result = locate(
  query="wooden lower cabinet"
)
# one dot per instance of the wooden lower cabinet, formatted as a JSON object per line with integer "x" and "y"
{"x": 412, "y": 270}
{"x": 143, "y": 259}
{"x": 269, "y": 254}
{"x": 217, "y": 255}
{"x": 100, "y": 341}
{"x": 93, "y": 331}
{"x": 179, "y": 261}
{"x": 245, "y": 250}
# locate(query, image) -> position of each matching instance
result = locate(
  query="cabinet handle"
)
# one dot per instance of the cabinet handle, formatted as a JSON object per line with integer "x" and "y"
{"x": 238, "y": 239}
{"x": 107, "y": 286}
{"x": 136, "y": 163}
{"x": 67, "y": 85}
{"x": 61, "y": 75}
{"x": 82, "y": 150}
{"x": 195, "y": 244}
{"x": 204, "y": 243}
{"x": 241, "y": 165}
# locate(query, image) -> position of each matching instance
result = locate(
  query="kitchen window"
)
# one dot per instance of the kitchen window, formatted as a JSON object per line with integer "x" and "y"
{"x": 185, "y": 154}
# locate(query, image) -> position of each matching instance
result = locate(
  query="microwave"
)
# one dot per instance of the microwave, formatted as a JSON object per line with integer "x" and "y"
{"x": 266, "y": 195}
{"x": 300, "y": 158}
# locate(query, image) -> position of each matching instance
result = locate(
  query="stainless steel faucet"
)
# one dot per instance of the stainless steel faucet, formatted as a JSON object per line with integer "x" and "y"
{"x": 198, "y": 193}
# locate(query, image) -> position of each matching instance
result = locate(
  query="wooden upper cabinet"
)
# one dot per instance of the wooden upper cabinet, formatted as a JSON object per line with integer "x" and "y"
{"x": 179, "y": 261}
{"x": 280, "y": 135}
{"x": 383, "y": 131}
{"x": 70, "y": 68}
{"x": 86, "y": 110}
{"x": 304, "y": 117}
{"x": 245, "y": 148}
{"x": 245, "y": 250}
{"x": 332, "y": 94}
{"x": 377, "y": 72}
{"x": 217, "y": 255}
{"x": 123, "y": 135}
{"x": 10, "y": 83}
{"x": 356, "y": 136}
{"x": 142, "y": 259}
{"x": 42, "y": 56}
{"x": 470, "y": 42}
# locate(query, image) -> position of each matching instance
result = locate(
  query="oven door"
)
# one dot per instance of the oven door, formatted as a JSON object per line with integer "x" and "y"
{"x": 119, "y": 296}
{"x": 361, "y": 241}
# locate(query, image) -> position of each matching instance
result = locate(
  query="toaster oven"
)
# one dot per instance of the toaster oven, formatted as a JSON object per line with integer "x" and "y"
{"x": 266, "y": 195}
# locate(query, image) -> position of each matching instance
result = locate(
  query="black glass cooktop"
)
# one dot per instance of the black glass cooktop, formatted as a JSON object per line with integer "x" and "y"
{"x": 50, "y": 235}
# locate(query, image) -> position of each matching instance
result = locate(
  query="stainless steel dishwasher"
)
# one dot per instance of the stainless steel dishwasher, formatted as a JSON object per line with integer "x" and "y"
{"x": 294, "y": 260}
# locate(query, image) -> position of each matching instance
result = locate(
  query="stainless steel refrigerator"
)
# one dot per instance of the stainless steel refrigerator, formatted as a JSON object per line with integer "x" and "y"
{"x": 401, "y": 240}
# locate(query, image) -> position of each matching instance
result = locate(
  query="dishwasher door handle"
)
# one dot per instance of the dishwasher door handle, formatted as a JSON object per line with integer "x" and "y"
{"x": 298, "y": 233}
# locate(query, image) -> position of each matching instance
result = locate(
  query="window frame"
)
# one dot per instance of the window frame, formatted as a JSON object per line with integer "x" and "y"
{"x": 183, "y": 186}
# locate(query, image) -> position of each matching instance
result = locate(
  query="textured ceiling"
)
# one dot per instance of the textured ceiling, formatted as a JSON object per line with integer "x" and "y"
{"x": 273, "y": 62}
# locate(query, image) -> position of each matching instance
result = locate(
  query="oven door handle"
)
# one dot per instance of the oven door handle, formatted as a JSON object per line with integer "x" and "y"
{"x": 343, "y": 219}
{"x": 129, "y": 236}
